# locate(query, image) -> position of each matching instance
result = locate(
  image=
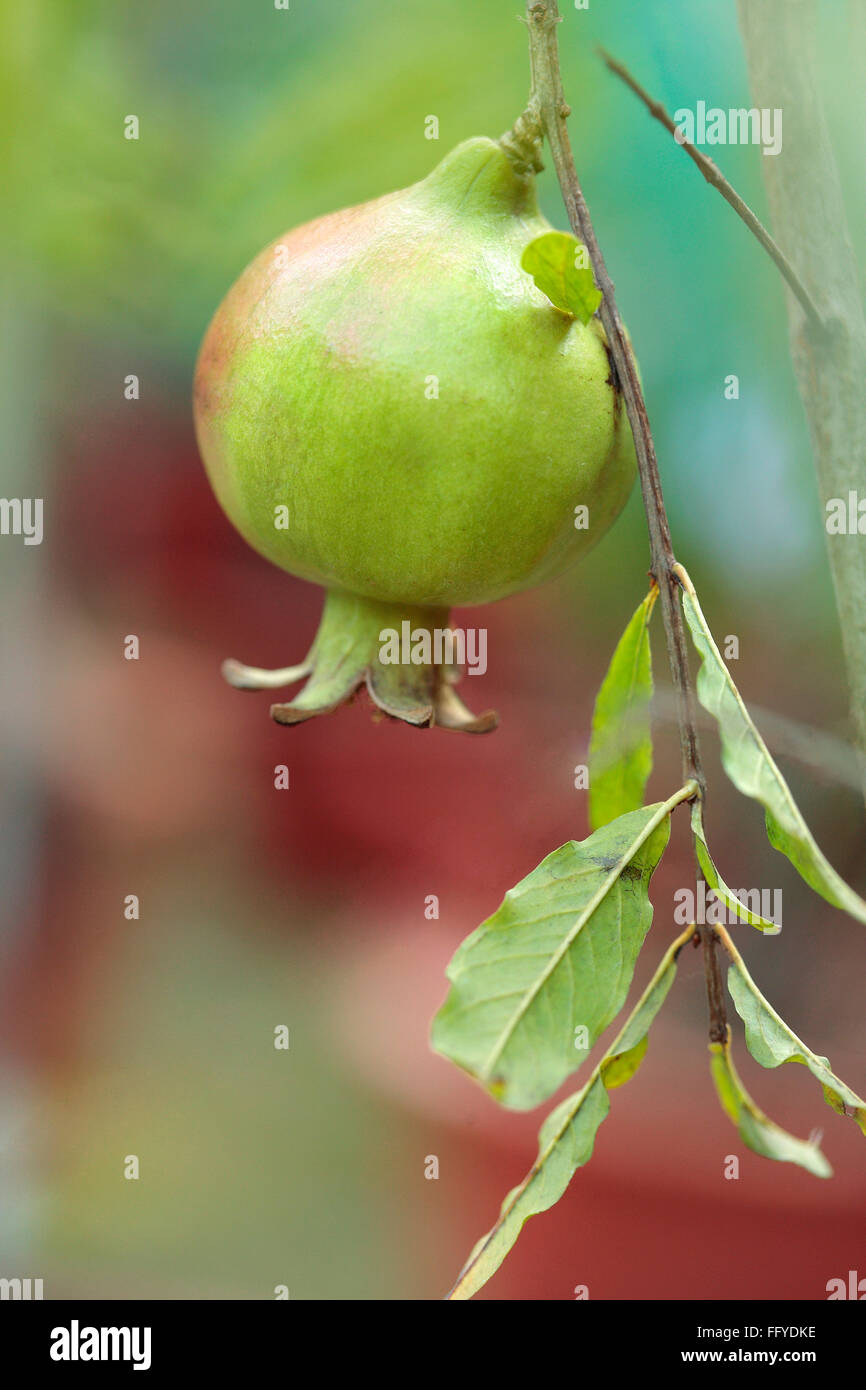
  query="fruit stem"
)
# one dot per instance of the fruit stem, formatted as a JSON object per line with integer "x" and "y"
{"x": 548, "y": 99}
{"x": 522, "y": 143}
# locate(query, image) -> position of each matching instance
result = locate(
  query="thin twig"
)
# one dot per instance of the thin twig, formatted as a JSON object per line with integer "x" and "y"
{"x": 548, "y": 99}
{"x": 714, "y": 176}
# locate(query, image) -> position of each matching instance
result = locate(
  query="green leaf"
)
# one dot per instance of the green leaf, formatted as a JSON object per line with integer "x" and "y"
{"x": 559, "y": 265}
{"x": 771, "y": 1042}
{"x": 734, "y": 901}
{"x": 567, "y": 1136}
{"x": 756, "y": 1131}
{"x": 557, "y": 957}
{"x": 750, "y": 767}
{"x": 620, "y": 748}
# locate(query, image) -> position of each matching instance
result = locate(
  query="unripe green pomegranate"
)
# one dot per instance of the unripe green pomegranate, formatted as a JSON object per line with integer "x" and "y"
{"x": 387, "y": 405}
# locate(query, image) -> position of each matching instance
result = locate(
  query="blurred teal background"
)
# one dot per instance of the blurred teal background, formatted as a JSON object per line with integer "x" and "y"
{"x": 259, "y": 908}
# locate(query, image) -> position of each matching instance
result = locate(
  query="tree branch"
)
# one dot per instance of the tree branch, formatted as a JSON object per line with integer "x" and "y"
{"x": 548, "y": 101}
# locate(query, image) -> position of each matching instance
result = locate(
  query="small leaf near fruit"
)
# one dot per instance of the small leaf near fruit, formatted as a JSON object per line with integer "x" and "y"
{"x": 559, "y": 264}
